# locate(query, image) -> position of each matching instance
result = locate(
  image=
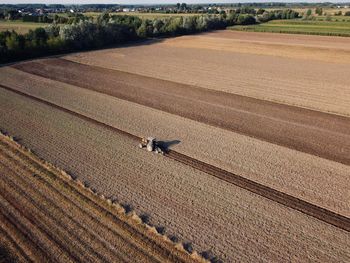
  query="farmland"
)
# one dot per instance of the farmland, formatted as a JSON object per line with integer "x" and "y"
{"x": 258, "y": 153}
{"x": 318, "y": 27}
{"x": 76, "y": 216}
{"x": 142, "y": 15}
{"x": 19, "y": 26}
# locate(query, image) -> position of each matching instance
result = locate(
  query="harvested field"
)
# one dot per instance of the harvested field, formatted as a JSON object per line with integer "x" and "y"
{"x": 259, "y": 65}
{"x": 47, "y": 217}
{"x": 317, "y": 133}
{"x": 186, "y": 201}
{"x": 19, "y": 26}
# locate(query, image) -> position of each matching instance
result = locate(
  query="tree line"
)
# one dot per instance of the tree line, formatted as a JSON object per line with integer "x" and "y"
{"x": 108, "y": 30}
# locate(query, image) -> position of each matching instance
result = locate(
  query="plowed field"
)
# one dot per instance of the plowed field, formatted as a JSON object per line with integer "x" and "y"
{"x": 306, "y": 71}
{"x": 47, "y": 217}
{"x": 257, "y": 129}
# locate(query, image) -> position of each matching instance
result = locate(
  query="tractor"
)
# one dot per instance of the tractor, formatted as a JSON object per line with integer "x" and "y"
{"x": 151, "y": 144}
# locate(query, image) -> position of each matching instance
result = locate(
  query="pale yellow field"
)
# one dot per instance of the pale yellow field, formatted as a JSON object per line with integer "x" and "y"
{"x": 306, "y": 71}
{"x": 20, "y": 27}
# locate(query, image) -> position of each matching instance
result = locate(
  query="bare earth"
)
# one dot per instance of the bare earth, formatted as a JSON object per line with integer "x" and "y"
{"x": 188, "y": 92}
{"x": 290, "y": 74}
{"x": 49, "y": 218}
{"x": 314, "y": 179}
{"x": 212, "y": 214}
{"x": 320, "y": 134}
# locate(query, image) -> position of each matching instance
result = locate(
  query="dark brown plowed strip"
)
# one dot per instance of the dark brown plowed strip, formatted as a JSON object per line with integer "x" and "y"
{"x": 309, "y": 131}
{"x": 307, "y": 208}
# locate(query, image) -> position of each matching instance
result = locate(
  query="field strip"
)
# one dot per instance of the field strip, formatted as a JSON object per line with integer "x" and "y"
{"x": 317, "y": 133}
{"x": 287, "y": 50}
{"x": 14, "y": 246}
{"x": 71, "y": 226}
{"x": 38, "y": 220}
{"x": 26, "y": 231}
{"x": 68, "y": 227}
{"x": 307, "y": 208}
{"x": 37, "y": 192}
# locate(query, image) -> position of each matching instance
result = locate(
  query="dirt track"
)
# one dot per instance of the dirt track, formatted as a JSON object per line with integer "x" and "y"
{"x": 264, "y": 191}
{"x": 317, "y": 133}
{"x": 51, "y": 218}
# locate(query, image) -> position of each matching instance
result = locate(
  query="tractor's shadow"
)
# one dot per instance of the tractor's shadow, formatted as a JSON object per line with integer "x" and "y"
{"x": 166, "y": 145}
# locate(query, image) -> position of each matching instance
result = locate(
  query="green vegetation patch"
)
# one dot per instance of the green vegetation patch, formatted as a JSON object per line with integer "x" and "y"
{"x": 298, "y": 26}
{"x": 19, "y": 26}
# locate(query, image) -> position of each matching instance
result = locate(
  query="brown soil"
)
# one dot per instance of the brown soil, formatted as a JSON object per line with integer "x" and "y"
{"x": 220, "y": 61}
{"x": 328, "y": 42}
{"x": 48, "y": 217}
{"x": 264, "y": 191}
{"x": 215, "y": 215}
{"x": 313, "y": 179}
{"x": 317, "y": 133}
{"x": 303, "y": 48}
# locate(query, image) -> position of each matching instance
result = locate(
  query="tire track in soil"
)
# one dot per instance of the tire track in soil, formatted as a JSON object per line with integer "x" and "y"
{"x": 292, "y": 202}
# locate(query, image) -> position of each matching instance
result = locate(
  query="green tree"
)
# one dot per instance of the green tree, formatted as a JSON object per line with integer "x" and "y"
{"x": 246, "y": 20}
{"x": 15, "y": 42}
{"x": 260, "y": 11}
{"x": 319, "y": 11}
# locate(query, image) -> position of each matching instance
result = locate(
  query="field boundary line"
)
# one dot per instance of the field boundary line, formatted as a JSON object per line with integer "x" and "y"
{"x": 285, "y": 199}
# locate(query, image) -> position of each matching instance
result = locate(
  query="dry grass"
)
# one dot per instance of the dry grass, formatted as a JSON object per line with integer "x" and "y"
{"x": 19, "y": 27}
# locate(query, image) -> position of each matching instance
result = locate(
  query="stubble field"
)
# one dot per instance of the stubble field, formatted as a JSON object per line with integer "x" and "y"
{"x": 68, "y": 111}
{"x": 48, "y": 217}
{"x": 231, "y": 62}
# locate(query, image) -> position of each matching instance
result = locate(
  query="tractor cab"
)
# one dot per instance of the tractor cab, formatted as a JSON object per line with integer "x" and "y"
{"x": 151, "y": 144}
